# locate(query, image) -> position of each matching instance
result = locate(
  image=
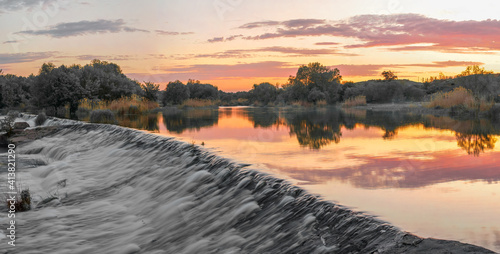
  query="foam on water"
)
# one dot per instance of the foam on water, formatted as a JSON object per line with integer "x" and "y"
{"x": 108, "y": 189}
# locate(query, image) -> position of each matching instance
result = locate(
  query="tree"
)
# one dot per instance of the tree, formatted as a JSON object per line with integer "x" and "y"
{"x": 314, "y": 75}
{"x": 150, "y": 90}
{"x": 57, "y": 87}
{"x": 263, "y": 93}
{"x": 389, "y": 75}
{"x": 202, "y": 91}
{"x": 315, "y": 95}
{"x": 474, "y": 70}
{"x": 175, "y": 93}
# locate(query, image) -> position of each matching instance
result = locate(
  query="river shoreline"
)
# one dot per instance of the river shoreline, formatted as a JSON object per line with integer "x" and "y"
{"x": 323, "y": 227}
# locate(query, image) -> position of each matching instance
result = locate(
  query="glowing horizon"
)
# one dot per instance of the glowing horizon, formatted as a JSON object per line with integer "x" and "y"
{"x": 235, "y": 44}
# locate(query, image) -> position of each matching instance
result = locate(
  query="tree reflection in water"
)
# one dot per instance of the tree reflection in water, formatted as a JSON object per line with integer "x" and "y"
{"x": 474, "y": 144}
{"x": 316, "y": 128}
{"x": 178, "y": 121}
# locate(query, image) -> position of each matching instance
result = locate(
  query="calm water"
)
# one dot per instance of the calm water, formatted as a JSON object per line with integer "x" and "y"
{"x": 433, "y": 176}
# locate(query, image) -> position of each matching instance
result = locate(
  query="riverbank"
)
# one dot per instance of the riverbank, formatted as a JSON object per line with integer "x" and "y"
{"x": 128, "y": 191}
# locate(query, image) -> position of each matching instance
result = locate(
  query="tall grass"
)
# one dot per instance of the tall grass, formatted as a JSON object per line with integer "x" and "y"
{"x": 356, "y": 101}
{"x": 321, "y": 103}
{"x": 126, "y": 105}
{"x": 197, "y": 103}
{"x": 459, "y": 97}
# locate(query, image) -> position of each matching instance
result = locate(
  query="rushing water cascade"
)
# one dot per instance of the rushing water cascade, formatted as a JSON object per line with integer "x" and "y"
{"x": 109, "y": 189}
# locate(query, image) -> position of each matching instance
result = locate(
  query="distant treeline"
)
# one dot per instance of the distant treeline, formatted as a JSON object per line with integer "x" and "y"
{"x": 314, "y": 84}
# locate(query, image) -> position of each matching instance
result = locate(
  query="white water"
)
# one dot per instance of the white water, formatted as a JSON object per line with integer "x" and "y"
{"x": 117, "y": 190}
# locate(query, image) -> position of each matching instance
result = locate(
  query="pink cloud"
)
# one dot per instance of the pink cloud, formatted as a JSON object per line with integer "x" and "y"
{"x": 403, "y": 30}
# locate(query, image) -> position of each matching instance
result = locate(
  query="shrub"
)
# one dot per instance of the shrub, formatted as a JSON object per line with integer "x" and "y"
{"x": 102, "y": 116}
{"x": 50, "y": 111}
{"x": 356, "y": 101}
{"x": 414, "y": 93}
{"x": 40, "y": 119}
{"x": 7, "y": 124}
{"x": 61, "y": 112}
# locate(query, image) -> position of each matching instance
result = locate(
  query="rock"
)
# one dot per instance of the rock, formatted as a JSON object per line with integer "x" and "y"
{"x": 21, "y": 125}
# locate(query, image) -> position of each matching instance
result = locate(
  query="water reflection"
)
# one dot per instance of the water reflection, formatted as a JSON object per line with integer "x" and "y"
{"x": 178, "y": 121}
{"x": 314, "y": 129}
{"x": 411, "y": 169}
{"x": 143, "y": 122}
{"x": 317, "y": 128}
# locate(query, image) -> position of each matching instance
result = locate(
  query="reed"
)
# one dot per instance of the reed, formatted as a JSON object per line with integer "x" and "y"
{"x": 356, "y": 101}
{"x": 197, "y": 103}
{"x": 126, "y": 105}
{"x": 459, "y": 97}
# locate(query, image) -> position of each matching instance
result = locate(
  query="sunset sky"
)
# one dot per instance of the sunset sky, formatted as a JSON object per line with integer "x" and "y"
{"x": 234, "y": 44}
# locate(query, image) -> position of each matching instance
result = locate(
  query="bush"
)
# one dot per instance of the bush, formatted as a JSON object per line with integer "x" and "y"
{"x": 102, "y": 116}
{"x": 40, "y": 119}
{"x": 50, "y": 111}
{"x": 61, "y": 112}
{"x": 7, "y": 124}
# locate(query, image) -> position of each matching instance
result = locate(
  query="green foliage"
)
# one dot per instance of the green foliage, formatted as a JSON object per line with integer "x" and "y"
{"x": 316, "y": 95}
{"x": 150, "y": 90}
{"x": 56, "y": 87}
{"x": 264, "y": 93}
{"x": 389, "y": 75}
{"x": 7, "y": 123}
{"x": 202, "y": 91}
{"x": 102, "y": 116}
{"x": 175, "y": 93}
{"x": 313, "y": 76}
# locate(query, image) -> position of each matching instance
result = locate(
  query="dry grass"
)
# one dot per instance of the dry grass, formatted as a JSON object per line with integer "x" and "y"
{"x": 197, "y": 103}
{"x": 459, "y": 96}
{"x": 356, "y": 101}
{"x": 321, "y": 103}
{"x": 126, "y": 105}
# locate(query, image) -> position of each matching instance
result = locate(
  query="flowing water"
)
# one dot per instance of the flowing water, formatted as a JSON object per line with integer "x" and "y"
{"x": 432, "y": 176}
{"x": 108, "y": 189}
